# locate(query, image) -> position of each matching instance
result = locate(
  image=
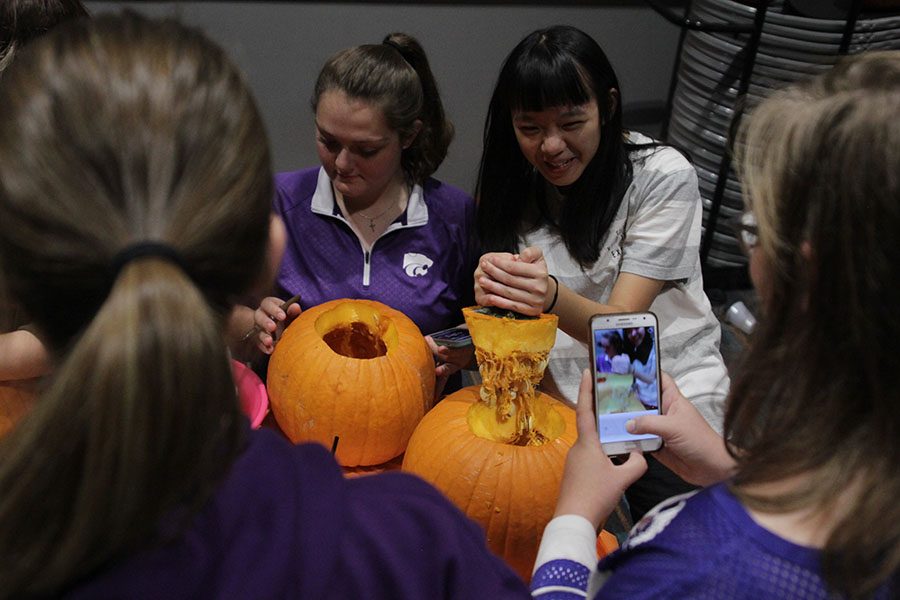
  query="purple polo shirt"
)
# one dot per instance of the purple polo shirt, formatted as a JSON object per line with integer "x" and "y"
{"x": 422, "y": 265}
{"x": 286, "y": 524}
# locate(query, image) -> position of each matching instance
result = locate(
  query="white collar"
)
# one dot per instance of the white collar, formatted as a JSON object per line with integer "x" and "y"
{"x": 323, "y": 202}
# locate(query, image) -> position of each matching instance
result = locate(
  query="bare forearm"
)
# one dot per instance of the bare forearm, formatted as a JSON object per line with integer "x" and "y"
{"x": 239, "y": 323}
{"x": 631, "y": 293}
{"x": 575, "y": 311}
{"x": 522, "y": 283}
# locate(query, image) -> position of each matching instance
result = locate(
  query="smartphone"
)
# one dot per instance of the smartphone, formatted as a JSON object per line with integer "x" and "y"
{"x": 454, "y": 337}
{"x": 626, "y": 375}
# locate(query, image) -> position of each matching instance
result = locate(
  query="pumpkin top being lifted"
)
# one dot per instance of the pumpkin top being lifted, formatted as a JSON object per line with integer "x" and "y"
{"x": 505, "y": 332}
{"x": 512, "y": 355}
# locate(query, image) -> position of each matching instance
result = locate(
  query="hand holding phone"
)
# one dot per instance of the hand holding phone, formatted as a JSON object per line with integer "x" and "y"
{"x": 626, "y": 378}
{"x": 693, "y": 450}
{"x": 592, "y": 483}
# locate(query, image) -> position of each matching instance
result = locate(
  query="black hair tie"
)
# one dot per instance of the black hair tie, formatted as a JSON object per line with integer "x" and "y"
{"x": 394, "y": 45}
{"x": 555, "y": 293}
{"x": 142, "y": 250}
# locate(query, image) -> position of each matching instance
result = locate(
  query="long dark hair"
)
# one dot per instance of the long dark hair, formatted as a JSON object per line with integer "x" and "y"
{"x": 24, "y": 20}
{"x": 557, "y": 66}
{"x": 114, "y": 131}
{"x": 641, "y": 352}
{"x": 818, "y": 394}
{"x": 396, "y": 77}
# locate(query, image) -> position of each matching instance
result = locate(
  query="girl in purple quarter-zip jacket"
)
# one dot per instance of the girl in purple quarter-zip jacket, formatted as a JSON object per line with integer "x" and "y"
{"x": 371, "y": 222}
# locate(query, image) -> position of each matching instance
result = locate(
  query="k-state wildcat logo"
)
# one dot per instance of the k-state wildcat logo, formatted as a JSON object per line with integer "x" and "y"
{"x": 416, "y": 265}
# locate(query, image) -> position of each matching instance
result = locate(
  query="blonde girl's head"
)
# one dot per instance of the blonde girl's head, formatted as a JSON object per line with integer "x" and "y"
{"x": 817, "y": 397}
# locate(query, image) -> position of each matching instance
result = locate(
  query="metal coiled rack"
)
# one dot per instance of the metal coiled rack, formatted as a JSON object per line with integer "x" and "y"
{"x": 731, "y": 55}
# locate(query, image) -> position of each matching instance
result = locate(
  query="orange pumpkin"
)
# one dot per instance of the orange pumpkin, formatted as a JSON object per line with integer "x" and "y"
{"x": 607, "y": 543}
{"x": 356, "y": 369}
{"x": 498, "y": 451}
{"x": 16, "y": 399}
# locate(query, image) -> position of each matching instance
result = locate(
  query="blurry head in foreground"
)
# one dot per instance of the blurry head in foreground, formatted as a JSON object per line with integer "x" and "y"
{"x": 820, "y": 164}
{"x": 135, "y": 190}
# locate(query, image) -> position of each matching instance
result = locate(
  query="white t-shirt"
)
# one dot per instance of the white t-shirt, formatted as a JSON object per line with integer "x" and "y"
{"x": 655, "y": 234}
{"x": 646, "y": 391}
{"x": 621, "y": 364}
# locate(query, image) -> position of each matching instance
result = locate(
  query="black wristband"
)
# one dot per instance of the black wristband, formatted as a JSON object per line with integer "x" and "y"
{"x": 555, "y": 293}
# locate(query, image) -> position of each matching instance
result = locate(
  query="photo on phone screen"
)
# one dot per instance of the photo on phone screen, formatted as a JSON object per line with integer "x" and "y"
{"x": 625, "y": 367}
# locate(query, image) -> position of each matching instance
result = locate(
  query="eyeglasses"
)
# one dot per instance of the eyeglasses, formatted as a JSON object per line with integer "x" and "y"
{"x": 746, "y": 231}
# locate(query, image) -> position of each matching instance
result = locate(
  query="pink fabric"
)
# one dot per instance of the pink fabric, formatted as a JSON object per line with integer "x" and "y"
{"x": 252, "y": 393}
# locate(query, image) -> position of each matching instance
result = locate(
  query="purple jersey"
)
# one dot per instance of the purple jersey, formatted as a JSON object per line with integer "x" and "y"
{"x": 422, "y": 265}
{"x": 706, "y": 545}
{"x": 286, "y": 524}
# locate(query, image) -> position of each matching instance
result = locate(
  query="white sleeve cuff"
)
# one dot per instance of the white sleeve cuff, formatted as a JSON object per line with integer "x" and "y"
{"x": 569, "y": 537}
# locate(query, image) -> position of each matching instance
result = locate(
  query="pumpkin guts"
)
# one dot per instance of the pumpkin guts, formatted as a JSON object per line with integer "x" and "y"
{"x": 512, "y": 355}
{"x": 356, "y": 341}
{"x": 498, "y": 450}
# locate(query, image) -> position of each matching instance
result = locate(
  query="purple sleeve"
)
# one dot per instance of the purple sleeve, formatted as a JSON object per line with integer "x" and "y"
{"x": 455, "y": 210}
{"x": 560, "y": 580}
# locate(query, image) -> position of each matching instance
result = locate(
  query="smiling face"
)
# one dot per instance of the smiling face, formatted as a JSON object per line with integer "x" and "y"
{"x": 636, "y": 336}
{"x": 559, "y": 141}
{"x": 358, "y": 150}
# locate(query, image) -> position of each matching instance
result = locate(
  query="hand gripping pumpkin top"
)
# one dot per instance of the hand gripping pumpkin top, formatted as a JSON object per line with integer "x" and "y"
{"x": 356, "y": 369}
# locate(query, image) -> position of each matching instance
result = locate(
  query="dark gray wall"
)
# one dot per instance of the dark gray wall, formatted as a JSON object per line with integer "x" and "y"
{"x": 282, "y": 45}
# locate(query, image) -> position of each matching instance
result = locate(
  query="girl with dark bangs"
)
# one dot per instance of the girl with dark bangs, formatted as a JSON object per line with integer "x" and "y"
{"x": 643, "y": 366}
{"x": 580, "y": 216}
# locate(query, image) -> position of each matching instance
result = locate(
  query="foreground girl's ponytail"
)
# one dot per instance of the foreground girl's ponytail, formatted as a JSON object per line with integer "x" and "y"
{"x": 138, "y": 422}
{"x": 117, "y": 133}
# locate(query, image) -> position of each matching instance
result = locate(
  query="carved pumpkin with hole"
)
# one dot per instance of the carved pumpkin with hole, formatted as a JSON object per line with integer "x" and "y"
{"x": 356, "y": 369}
{"x": 498, "y": 450}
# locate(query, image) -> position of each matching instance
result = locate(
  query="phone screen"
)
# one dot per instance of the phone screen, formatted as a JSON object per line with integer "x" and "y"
{"x": 455, "y": 337}
{"x": 625, "y": 366}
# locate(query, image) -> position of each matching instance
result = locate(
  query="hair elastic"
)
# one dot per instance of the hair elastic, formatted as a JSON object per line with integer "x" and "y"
{"x": 555, "y": 293}
{"x": 142, "y": 250}
{"x": 394, "y": 45}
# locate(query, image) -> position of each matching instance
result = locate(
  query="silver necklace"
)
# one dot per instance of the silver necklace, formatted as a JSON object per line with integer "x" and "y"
{"x": 372, "y": 220}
